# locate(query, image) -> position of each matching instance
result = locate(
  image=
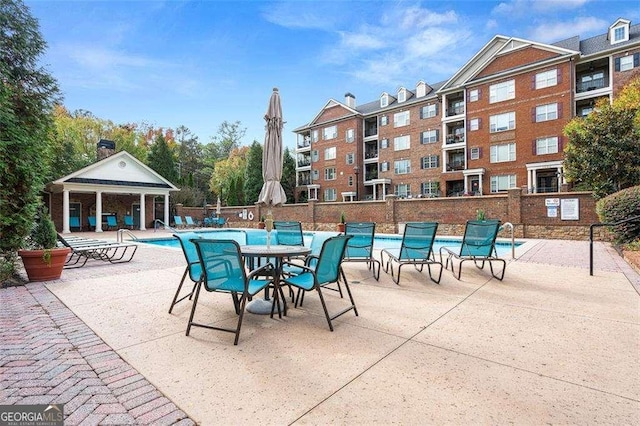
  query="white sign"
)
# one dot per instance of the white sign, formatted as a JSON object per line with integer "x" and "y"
{"x": 552, "y": 202}
{"x": 570, "y": 209}
{"x": 552, "y": 211}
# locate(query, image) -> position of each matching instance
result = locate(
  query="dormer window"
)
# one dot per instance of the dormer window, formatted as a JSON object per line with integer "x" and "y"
{"x": 384, "y": 100}
{"x": 619, "y": 31}
{"x": 402, "y": 95}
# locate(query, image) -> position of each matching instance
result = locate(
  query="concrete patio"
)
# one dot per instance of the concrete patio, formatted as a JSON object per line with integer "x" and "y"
{"x": 549, "y": 344}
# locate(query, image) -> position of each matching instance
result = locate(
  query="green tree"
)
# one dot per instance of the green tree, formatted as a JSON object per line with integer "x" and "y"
{"x": 253, "y": 176}
{"x": 228, "y": 177}
{"x": 27, "y": 97}
{"x": 602, "y": 153}
{"x": 162, "y": 160}
{"x": 288, "y": 180}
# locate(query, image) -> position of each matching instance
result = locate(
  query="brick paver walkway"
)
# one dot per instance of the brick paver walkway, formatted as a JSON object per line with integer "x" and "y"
{"x": 47, "y": 355}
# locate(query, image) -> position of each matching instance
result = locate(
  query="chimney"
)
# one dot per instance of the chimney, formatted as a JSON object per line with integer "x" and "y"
{"x": 350, "y": 100}
{"x": 105, "y": 149}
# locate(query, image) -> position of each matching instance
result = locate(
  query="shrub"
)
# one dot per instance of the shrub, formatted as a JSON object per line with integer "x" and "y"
{"x": 619, "y": 206}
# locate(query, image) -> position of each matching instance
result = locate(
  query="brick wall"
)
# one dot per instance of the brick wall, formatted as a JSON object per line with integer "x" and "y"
{"x": 527, "y": 212}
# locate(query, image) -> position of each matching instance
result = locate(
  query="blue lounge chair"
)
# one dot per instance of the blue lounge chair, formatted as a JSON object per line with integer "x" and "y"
{"x": 128, "y": 222}
{"x": 74, "y": 223}
{"x": 221, "y": 221}
{"x": 360, "y": 247}
{"x": 416, "y": 249}
{"x": 177, "y": 220}
{"x": 189, "y": 221}
{"x": 224, "y": 271}
{"x": 111, "y": 222}
{"x": 328, "y": 270}
{"x": 479, "y": 245}
{"x": 92, "y": 222}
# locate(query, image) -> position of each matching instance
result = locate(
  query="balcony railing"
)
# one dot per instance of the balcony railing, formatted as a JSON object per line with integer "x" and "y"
{"x": 455, "y": 166}
{"x": 371, "y": 154}
{"x": 371, "y": 176}
{"x": 304, "y": 163}
{"x": 455, "y": 110}
{"x": 370, "y": 131}
{"x": 304, "y": 144}
{"x": 306, "y": 181}
{"x": 586, "y": 86}
{"x": 455, "y": 139}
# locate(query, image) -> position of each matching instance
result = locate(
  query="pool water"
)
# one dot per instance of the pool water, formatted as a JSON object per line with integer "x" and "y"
{"x": 259, "y": 237}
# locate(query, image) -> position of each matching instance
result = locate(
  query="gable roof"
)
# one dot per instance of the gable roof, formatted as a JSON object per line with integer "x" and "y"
{"x": 122, "y": 171}
{"x": 331, "y": 103}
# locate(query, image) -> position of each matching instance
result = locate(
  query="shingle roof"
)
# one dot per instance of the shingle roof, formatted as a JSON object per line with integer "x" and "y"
{"x": 600, "y": 43}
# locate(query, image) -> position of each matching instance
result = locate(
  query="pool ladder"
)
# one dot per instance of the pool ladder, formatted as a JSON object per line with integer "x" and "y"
{"x": 120, "y": 235}
{"x": 513, "y": 240}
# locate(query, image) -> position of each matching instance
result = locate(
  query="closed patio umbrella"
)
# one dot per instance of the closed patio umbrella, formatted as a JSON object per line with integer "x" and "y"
{"x": 272, "y": 193}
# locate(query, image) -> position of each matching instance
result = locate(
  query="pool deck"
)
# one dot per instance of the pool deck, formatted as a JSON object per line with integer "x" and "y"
{"x": 549, "y": 344}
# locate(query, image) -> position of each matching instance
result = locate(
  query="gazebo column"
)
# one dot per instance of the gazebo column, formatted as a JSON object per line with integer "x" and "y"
{"x": 143, "y": 213}
{"x": 166, "y": 208}
{"x": 65, "y": 212}
{"x": 98, "y": 211}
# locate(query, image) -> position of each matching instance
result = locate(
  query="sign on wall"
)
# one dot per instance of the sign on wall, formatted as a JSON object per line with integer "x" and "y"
{"x": 570, "y": 209}
{"x": 552, "y": 206}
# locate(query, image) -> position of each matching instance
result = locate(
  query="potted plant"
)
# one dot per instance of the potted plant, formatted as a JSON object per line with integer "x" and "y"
{"x": 42, "y": 260}
{"x": 480, "y": 215}
{"x": 341, "y": 223}
{"x": 261, "y": 223}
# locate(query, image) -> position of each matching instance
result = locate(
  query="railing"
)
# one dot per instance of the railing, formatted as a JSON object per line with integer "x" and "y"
{"x": 120, "y": 235}
{"x": 513, "y": 239}
{"x": 597, "y": 225}
{"x": 586, "y": 86}
{"x": 370, "y": 154}
{"x": 157, "y": 222}
{"x": 455, "y": 110}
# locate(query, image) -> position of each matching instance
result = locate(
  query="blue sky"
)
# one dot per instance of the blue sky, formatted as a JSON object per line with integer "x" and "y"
{"x": 199, "y": 63}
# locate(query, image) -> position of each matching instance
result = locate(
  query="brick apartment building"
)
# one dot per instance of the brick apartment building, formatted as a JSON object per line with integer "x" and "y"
{"x": 496, "y": 124}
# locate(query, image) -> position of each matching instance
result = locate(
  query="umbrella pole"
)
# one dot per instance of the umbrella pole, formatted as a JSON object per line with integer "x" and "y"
{"x": 268, "y": 225}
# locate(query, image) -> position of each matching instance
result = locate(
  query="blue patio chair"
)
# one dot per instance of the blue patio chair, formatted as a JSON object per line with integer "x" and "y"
{"x": 92, "y": 222}
{"x": 221, "y": 222}
{"x": 208, "y": 221}
{"x": 74, "y": 222}
{"x": 289, "y": 233}
{"x": 190, "y": 222}
{"x": 327, "y": 270}
{"x": 111, "y": 222}
{"x": 128, "y": 222}
{"x": 415, "y": 249}
{"x": 223, "y": 271}
{"x": 193, "y": 268}
{"x": 177, "y": 220}
{"x": 360, "y": 247}
{"x": 479, "y": 245}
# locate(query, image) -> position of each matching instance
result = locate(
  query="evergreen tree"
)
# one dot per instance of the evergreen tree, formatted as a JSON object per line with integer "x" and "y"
{"x": 162, "y": 160}
{"x": 27, "y": 97}
{"x": 288, "y": 180}
{"x": 253, "y": 176}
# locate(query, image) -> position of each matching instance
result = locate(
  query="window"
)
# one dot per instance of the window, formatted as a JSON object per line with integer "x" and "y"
{"x": 314, "y": 155}
{"x": 330, "y": 173}
{"x": 402, "y": 167}
{"x": 429, "y": 136}
{"x": 429, "y": 162}
{"x": 474, "y": 95}
{"x": 502, "y": 183}
{"x": 474, "y": 124}
{"x": 402, "y": 95}
{"x": 403, "y": 190}
{"x": 330, "y": 194}
{"x": 546, "y": 79}
{"x": 503, "y": 152}
{"x": 384, "y": 120}
{"x": 474, "y": 153}
{"x": 619, "y": 34}
{"x": 315, "y": 175}
{"x": 330, "y": 153}
{"x": 350, "y": 158}
{"x": 401, "y": 119}
{"x": 547, "y": 145}
{"x": 502, "y": 122}
{"x": 350, "y": 135}
{"x": 626, "y": 63}
{"x": 330, "y": 132}
{"x": 546, "y": 112}
{"x": 428, "y": 111}
{"x": 384, "y": 143}
{"x": 401, "y": 142}
{"x": 502, "y": 91}
{"x": 384, "y": 100}
{"x": 384, "y": 167}
{"x": 429, "y": 188}
{"x": 314, "y": 135}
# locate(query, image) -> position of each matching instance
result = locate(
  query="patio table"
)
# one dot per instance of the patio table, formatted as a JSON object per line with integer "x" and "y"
{"x": 277, "y": 252}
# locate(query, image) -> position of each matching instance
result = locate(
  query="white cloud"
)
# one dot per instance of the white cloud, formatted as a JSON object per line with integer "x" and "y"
{"x": 526, "y": 7}
{"x": 361, "y": 40}
{"x": 554, "y": 31}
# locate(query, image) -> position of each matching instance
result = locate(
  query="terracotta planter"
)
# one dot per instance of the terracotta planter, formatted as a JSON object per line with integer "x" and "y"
{"x": 260, "y": 225}
{"x": 40, "y": 270}
{"x": 341, "y": 227}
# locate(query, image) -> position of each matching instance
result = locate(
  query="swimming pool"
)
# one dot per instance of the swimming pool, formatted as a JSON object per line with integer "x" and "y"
{"x": 259, "y": 236}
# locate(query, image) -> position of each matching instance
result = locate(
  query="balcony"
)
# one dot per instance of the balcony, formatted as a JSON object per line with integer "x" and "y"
{"x": 586, "y": 86}
{"x": 370, "y": 154}
{"x": 370, "y": 127}
{"x": 304, "y": 163}
{"x": 454, "y": 138}
{"x": 455, "y": 109}
{"x": 455, "y": 166}
{"x": 304, "y": 144}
